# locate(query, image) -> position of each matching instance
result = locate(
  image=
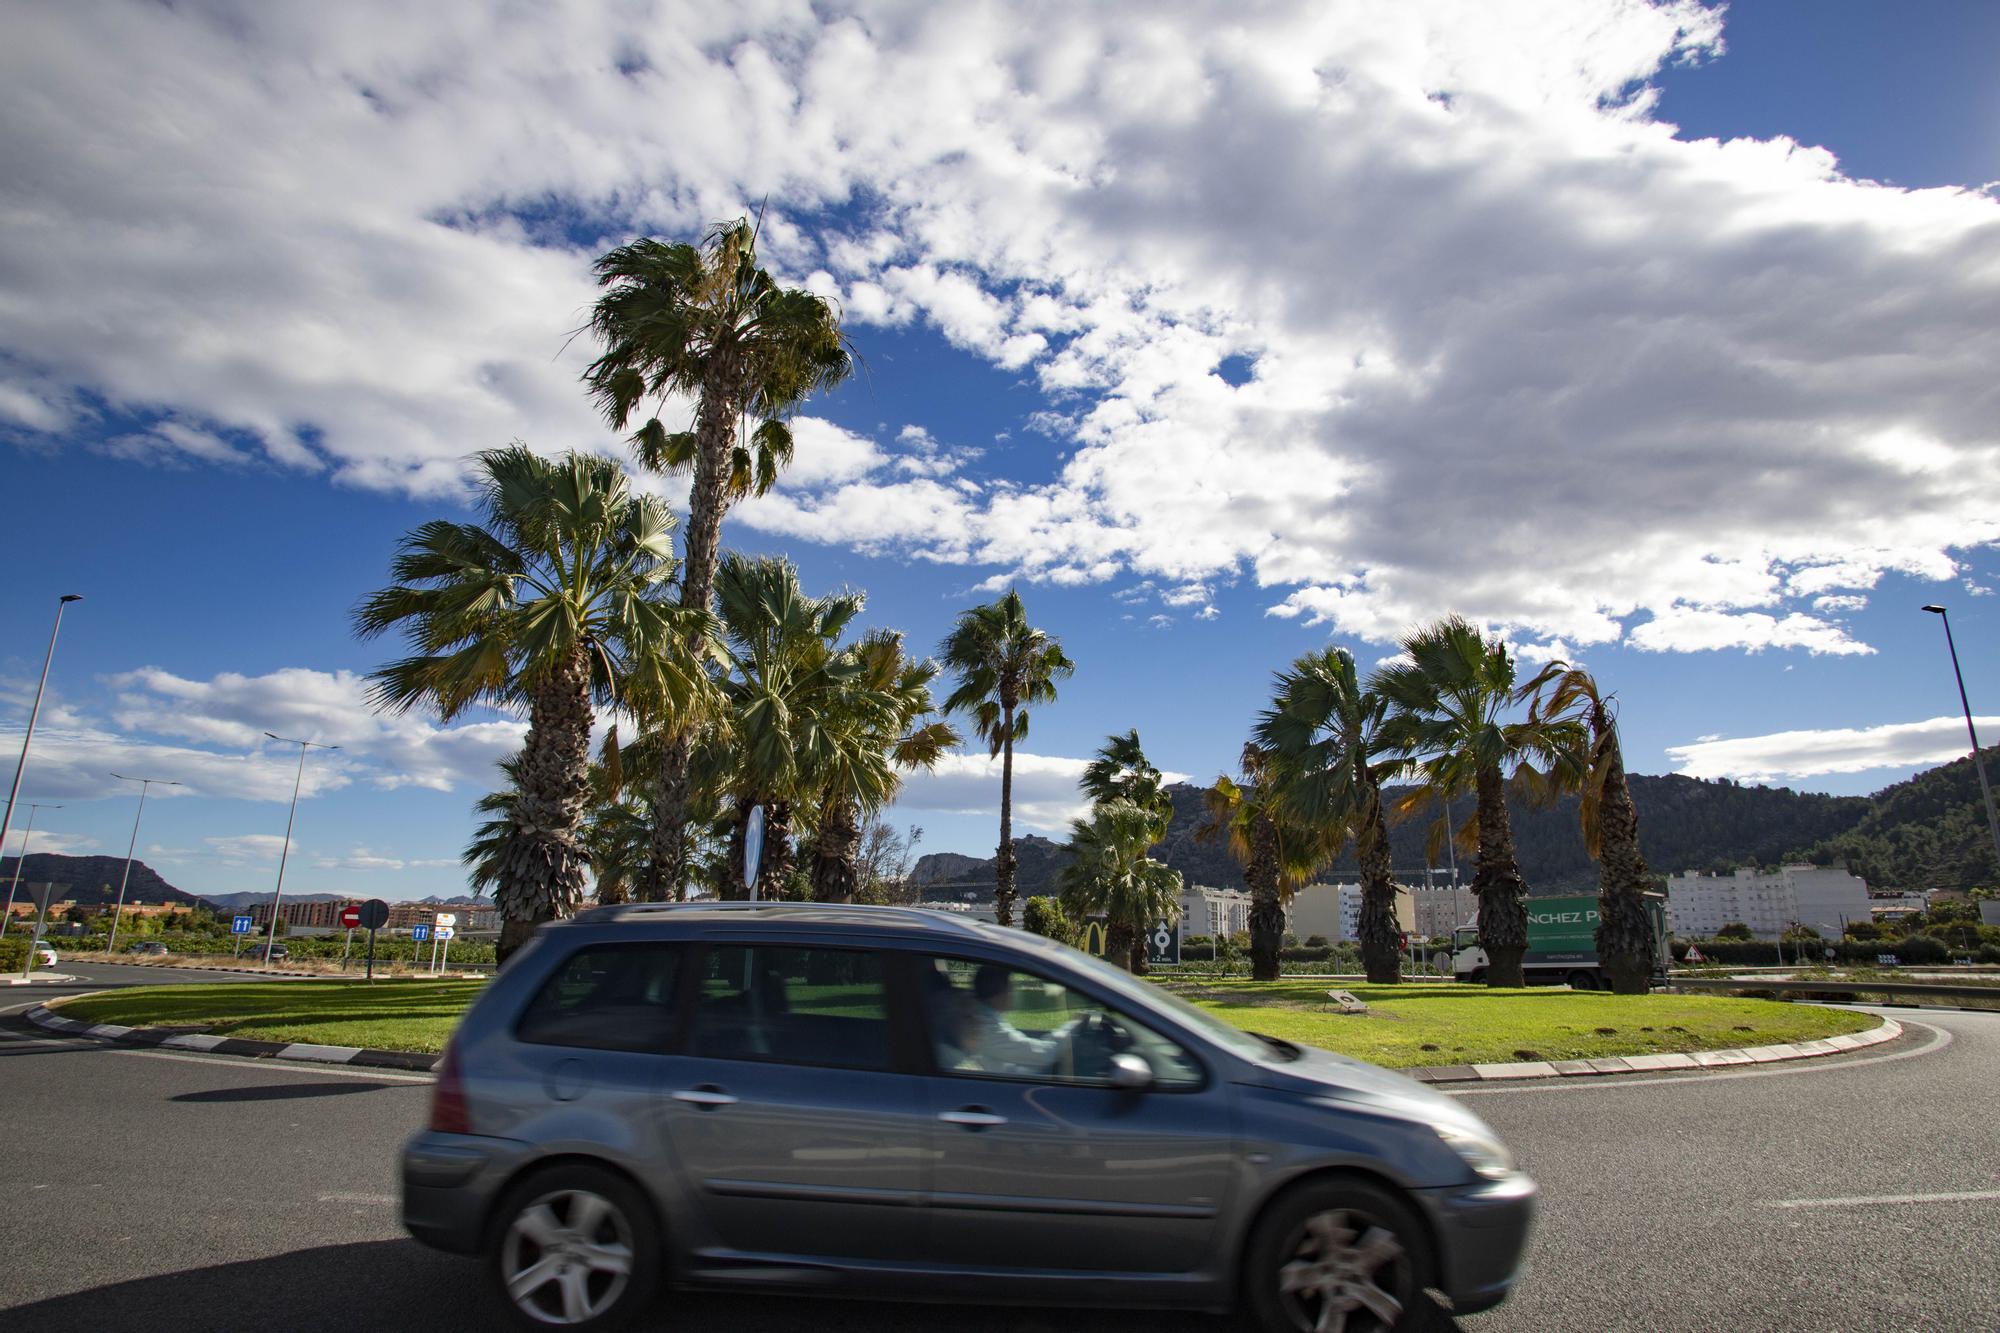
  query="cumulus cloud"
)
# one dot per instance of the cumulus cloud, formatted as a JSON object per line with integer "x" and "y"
{"x": 1533, "y": 358}
{"x": 1803, "y": 754}
{"x": 1046, "y": 794}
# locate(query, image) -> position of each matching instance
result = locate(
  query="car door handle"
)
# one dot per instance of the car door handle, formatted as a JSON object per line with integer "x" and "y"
{"x": 707, "y": 1097}
{"x": 972, "y": 1117}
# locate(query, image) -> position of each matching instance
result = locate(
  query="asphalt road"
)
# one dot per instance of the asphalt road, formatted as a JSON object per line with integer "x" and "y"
{"x": 149, "y": 1190}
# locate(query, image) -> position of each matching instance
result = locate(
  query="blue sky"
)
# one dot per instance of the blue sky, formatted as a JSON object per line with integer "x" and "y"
{"x": 1219, "y": 342}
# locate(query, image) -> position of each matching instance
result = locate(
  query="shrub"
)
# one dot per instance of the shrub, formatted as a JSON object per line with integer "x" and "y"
{"x": 1921, "y": 949}
{"x": 1315, "y": 941}
{"x": 1045, "y": 917}
{"x": 1734, "y": 930}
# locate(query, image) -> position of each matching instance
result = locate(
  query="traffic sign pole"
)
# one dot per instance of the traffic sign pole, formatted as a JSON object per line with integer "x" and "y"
{"x": 372, "y": 914}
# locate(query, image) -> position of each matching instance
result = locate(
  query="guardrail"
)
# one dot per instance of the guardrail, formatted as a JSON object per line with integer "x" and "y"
{"x": 1990, "y": 994}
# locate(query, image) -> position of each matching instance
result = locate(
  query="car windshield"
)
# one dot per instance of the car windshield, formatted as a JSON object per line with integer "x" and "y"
{"x": 1224, "y": 1034}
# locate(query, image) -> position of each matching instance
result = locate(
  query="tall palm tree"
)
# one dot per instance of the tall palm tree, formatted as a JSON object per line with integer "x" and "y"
{"x": 1454, "y": 702}
{"x": 1004, "y": 665}
{"x": 798, "y": 702}
{"x": 704, "y": 323}
{"x": 877, "y": 745}
{"x": 493, "y": 836}
{"x": 1278, "y": 851}
{"x": 1111, "y": 875}
{"x": 1121, "y": 769}
{"x": 1330, "y": 753}
{"x": 561, "y": 599}
{"x": 1611, "y": 832}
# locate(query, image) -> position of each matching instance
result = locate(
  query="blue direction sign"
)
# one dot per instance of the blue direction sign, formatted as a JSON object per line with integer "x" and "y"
{"x": 420, "y": 932}
{"x": 240, "y": 925}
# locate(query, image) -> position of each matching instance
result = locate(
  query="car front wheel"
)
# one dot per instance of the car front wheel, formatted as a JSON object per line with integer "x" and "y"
{"x": 1338, "y": 1257}
{"x": 574, "y": 1247}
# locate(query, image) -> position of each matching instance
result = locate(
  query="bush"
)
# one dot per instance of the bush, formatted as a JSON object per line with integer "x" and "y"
{"x": 1045, "y": 917}
{"x": 1315, "y": 941}
{"x": 1921, "y": 949}
{"x": 1734, "y": 930}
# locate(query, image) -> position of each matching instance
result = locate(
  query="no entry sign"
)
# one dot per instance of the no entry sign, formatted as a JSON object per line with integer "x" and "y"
{"x": 350, "y": 915}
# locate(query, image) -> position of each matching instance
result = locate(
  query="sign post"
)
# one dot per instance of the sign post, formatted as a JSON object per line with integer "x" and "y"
{"x": 445, "y": 933}
{"x": 350, "y": 917}
{"x": 373, "y": 915}
{"x": 40, "y": 895}
{"x": 753, "y": 848}
{"x": 441, "y": 933}
{"x": 239, "y": 926}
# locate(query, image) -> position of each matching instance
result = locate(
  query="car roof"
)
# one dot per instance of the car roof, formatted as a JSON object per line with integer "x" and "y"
{"x": 851, "y": 917}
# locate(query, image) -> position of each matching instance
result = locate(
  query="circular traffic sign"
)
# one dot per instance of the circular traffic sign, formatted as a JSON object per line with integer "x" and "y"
{"x": 374, "y": 914}
{"x": 350, "y": 915}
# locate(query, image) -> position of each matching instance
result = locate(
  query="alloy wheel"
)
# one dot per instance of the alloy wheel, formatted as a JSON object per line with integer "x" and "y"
{"x": 1344, "y": 1266}
{"x": 567, "y": 1257}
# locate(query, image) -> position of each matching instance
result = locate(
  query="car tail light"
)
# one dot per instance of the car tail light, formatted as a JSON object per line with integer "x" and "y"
{"x": 448, "y": 1110}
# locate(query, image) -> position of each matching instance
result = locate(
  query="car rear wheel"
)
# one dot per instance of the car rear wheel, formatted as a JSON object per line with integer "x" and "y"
{"x": 1581, "y": 981}
{"x": 574, "y": 1247}
{"x": 1337, "y": 1257}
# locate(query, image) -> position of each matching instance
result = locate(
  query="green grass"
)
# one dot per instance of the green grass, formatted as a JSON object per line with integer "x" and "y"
{"x": 1443, "y": 1024}
{"x": 1452, "y": 1023}
{"x": 387, "y": 1015}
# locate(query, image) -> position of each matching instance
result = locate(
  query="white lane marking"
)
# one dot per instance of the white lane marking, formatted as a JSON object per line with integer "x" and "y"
{"x": 383, "y": 1199}
{"x": 1864, "y": 1201}
{"x": 266, "y": 1066}
{"x": 1939, "y": 1040}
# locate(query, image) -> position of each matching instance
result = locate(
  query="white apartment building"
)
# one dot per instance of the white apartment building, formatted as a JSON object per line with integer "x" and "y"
{"x": 1770, "y": 903}
{"x": 1334, "y": 910}
{"x": 1210, "y": 911}
{"x": 1440, "y": 911}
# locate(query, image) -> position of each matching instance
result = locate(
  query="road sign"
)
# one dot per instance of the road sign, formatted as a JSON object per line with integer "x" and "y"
{"x": 420, "y": 932}
{"x": 446, "y": 919}
{"x": 1887, "y": 960}
{"x": 446, "y": 932}
{"x": 240, "y": 925}
{"x": 1163, "y": 942}
{"x": 753, "y": 848}
{"x": 1693, "y": 955}
{"x": 1441, "y": 961}
{"x": 374, "y": 914}
{"x": 350, "y": 915}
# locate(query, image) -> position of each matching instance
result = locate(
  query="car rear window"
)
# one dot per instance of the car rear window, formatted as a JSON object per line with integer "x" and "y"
{"x": 793, "y": 1005}
{"x": 607, "y": 997}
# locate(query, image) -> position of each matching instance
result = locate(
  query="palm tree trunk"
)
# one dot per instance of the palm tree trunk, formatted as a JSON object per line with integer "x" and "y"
{"x": 1497, "y": 884}
{"x": 774, "y": 869}
{"x": 1003, "y": 882}
{"x": 1267, "y": 908}
{"x": 835, "y": 872}
{"x": 1119, "y": 943}
{"x": 708, "y": 500}
{"x": 1624, "y": 932}
{"x": 1381, "y": 937}
{"x": 542, "y": 873}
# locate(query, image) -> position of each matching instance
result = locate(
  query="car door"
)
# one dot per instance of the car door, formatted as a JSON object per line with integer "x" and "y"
{"x": 1037, "y": 1161}
{"x": 795, "y": 1112}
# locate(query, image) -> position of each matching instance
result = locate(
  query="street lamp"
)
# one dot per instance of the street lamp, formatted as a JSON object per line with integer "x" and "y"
{"x": 271, "y": 940}
{"x": 7, "y": 820}
{"x": 20, "y": 861}
{"x": 145, "y": 785}
{"x": 1978, "y": 764}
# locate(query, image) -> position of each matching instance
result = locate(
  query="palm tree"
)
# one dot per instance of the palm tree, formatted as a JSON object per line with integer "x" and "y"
{"x": 1111, "y": 875}
{"x": 705, "y": 323}
{"x": 617, "y": 836}
{"x": 1278, "y": 852}
{"x": 560, "y": 600}
{"x": 1610, "y": 822}
{"x": 1121, "y": 769}
{"x": 1330, "y": 753}
{"x": 494, "y": 836}
{"x": 863, "y": 772}
{"x": 1451, "y": 701}
{"x": 798, "y": 703}
{"x": 1004, "y": 665}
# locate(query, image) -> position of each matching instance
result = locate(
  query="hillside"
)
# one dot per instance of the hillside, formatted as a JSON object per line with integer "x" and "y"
{"x": 94, "y": 879}
{"x": 1928, "y": 832}
{"x": 1684, "y": 824}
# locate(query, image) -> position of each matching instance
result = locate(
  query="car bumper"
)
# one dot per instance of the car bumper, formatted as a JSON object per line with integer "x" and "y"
{"x": 1482, "y": 1233}
{"x": 450, "y": 1182}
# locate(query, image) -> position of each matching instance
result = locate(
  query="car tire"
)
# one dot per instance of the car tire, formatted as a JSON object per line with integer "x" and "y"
{"x": 557, "y": 1245}
{"x": 1346, "y": 1241}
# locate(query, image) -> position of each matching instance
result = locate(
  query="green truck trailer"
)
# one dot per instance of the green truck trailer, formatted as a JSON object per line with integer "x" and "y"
{"x": 1562, "y": 944}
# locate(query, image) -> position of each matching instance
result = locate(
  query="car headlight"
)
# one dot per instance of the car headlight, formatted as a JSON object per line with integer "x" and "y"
{"x": 1482, "y": 1152}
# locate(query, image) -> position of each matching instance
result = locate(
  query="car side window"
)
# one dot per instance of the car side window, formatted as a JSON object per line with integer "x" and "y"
{"x": 991, "y": 1020}
{"x": 793, "y": 1005}
{"x": 607, "y": 997}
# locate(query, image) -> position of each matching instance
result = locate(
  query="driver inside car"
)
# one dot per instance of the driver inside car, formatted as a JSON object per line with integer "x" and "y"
{"x": 996, "y": 1045}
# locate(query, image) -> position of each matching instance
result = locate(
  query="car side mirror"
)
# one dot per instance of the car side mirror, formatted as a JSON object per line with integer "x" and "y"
{"x": 1129, "y": 1073}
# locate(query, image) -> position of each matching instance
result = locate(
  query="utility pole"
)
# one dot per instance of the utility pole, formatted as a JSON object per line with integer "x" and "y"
{"x": 22, "y": 860}
{"x": 271, "y": 940}
{"x": 145, "y": 785}
{"x": 1978, "y": 764}
{"x": 14, "y": 792}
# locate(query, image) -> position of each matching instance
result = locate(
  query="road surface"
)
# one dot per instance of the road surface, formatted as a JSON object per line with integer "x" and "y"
{"x": 149, "y": 1190}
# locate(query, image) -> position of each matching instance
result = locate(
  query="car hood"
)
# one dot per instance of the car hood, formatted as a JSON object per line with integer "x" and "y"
{"x": 1318, "y": 1073}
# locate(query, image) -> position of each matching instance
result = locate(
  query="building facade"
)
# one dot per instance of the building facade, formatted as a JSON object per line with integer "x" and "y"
{"x": 1334, "y": 911}
{"x": 1210, "y": 911}
{"x": 1768, "y": 902}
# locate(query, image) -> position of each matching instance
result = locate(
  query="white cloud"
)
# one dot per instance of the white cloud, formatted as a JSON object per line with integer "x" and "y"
{"x": 1625, "y": 375}
{"x": 245, "y": 848}
{"x": 1803, "y": 754}
{"x": 1046, "y": 795}
{"x": 50, "y": 840}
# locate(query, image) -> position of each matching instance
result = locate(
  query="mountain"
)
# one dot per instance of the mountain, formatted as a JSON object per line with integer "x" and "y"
{"x": 236, "y": 902}
{"x": 94, "y": 879}
{"x": 1684, "y": 824}
{"x": 1927, "y": 832}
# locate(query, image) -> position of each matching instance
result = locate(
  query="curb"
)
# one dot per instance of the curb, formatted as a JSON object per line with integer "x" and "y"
{"x": 361, "y": 1057}
{"x": 184, "y": 1039}
{"x": 1653, "y": 1064}
{"x": 40, "y": 979}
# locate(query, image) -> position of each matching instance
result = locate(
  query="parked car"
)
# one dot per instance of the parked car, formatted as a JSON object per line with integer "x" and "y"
{"x": 149, "y": 948}
{"x": 890, "y": 1101}
{"x": 45, "y": 954}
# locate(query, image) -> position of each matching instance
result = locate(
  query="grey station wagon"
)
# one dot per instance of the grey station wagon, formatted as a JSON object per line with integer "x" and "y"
{"x": 895, "y": 1102}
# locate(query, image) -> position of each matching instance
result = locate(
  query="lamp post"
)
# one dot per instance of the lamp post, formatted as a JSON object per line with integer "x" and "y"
{"x": 145, "y": 785}
{"x": 271, "y": 939}
{"x": 1978, "y": 764}
{"x": 20, "y": 861}
{"x": 7, "y": 820}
